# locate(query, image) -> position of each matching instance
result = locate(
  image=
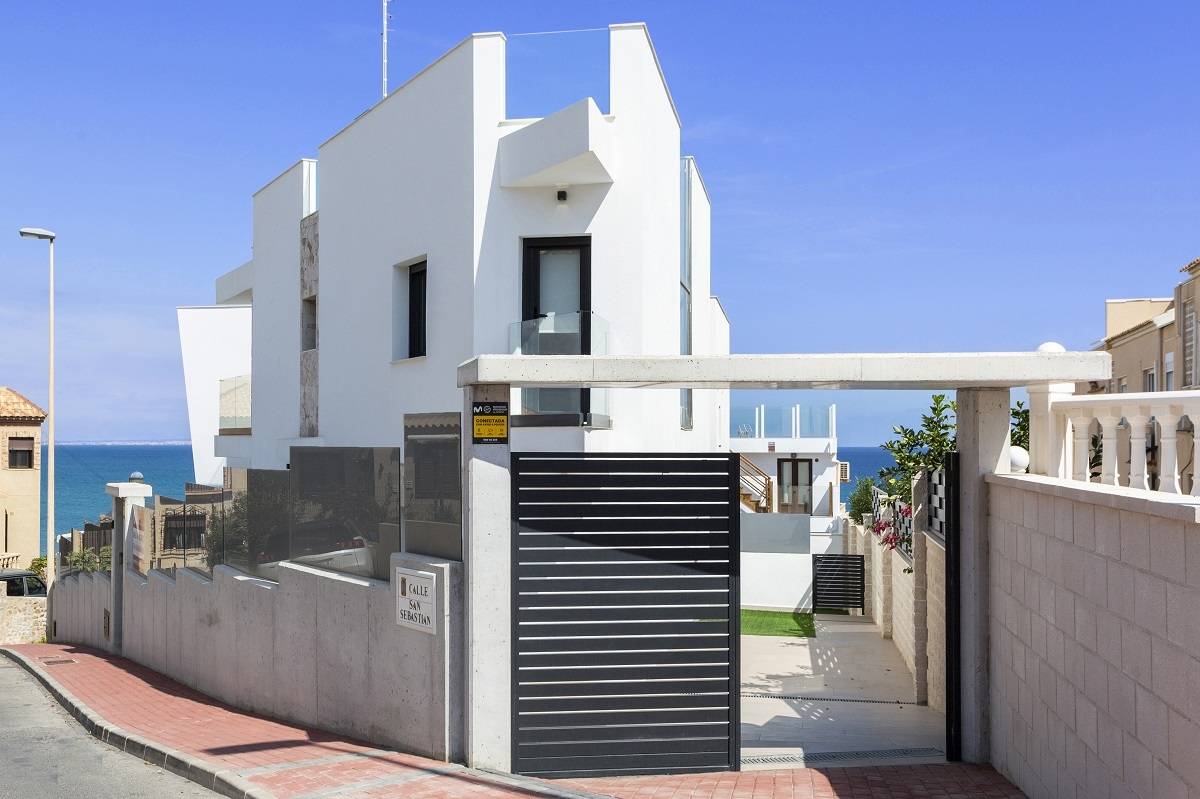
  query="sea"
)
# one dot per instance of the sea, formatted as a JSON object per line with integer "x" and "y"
{"x": 84, "y": 469}
{"x": 865, "y": 462}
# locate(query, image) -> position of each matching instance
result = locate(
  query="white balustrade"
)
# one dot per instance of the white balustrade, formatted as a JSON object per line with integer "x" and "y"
{"x": 1069, "y": 433}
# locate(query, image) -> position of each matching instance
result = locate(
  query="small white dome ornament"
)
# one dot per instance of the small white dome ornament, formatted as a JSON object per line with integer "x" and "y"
{"x": 1018, "y": 458}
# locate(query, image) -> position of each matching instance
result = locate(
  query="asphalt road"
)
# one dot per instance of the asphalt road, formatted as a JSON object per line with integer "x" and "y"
{"x": 45, "y": 753}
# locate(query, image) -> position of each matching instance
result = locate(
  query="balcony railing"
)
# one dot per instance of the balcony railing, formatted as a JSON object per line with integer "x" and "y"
{"x": 235, "y": 406}
{"x": 782, "y": 421}
{"x": 1142, "y": 440}
{"x": 562, "y": 334}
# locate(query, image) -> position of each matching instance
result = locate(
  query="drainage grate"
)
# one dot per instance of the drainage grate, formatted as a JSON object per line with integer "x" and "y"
{"x": 58, "y": 661}
{"x": 838, "y": 757}
{"x": 755, "y": 695}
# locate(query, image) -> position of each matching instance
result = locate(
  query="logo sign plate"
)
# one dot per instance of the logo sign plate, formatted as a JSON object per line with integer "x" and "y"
{"x": 416, "y": 599}
{"x": 489, "y": 422}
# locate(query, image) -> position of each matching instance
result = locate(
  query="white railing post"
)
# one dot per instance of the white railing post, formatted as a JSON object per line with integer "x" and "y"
{"x": 1168, "y": 457}
{"x": 1080, "y": 465}
{"x": 1108, "y": 452}
{"x": 1195, "y": 456}
{"x": 1138, "y": 477}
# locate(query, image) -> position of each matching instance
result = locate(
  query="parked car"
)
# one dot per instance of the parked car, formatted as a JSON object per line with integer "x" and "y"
{"x": 21, "y": 582}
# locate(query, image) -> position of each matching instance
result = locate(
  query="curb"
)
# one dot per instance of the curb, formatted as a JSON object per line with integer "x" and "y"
{"x": 226, "y": 781}
{"x": 202, "y": 772}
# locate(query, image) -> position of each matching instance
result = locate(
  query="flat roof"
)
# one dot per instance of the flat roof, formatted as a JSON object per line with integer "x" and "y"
{"x": 885, "y": 370}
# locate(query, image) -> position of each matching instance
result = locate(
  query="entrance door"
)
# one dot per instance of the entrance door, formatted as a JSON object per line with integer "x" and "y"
{"x": 556, "y": 289}
{"x": 625, "y": 613}
{"x": 795, "y": 485}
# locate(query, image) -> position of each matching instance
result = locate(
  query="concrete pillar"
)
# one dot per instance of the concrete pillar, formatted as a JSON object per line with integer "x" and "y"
{"x": 983, "y": 428}
{"x": 487, "y": 548}
{"x": 125, "y": 497}
{"x": 1048, "y": 453}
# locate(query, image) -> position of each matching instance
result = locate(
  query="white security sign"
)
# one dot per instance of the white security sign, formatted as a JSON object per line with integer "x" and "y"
{"x": 416, "y": 599}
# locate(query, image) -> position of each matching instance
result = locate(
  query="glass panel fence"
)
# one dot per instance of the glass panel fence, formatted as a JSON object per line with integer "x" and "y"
{"x": 779, "y": 421}
{"x": 546, "y": 72}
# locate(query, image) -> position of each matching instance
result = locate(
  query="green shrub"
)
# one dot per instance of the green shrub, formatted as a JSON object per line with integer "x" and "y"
{"x": 860, "y": 498}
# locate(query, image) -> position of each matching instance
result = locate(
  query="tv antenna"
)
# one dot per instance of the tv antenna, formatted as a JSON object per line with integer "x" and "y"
{"x": 386, "y": 19}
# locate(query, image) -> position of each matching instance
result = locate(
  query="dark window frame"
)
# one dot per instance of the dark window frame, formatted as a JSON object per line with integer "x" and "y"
{"x": 418, "y": 307}
{"x": 21, "y": 457}
{"x": 531, "y": 291}
{"x": 779, "y": 481}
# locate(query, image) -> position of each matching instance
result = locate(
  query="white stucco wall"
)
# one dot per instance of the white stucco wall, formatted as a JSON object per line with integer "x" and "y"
{"x": 215, "y": 344}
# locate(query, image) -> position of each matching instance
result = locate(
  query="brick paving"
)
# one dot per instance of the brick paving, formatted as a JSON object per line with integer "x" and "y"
{"x": 289, "y": 761}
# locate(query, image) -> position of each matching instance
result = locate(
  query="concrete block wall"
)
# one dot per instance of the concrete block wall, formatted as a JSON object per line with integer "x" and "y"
{"x": 319, "y": 648}
{"x": 1095, "y": 639}
{"x": 904, "y": 634}
{"x": 76, "y": 605}
{"x": 935, "y": 623}
{"x": 22, "y": 619}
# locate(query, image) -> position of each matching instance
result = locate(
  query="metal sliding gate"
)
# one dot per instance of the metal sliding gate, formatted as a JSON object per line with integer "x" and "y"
{"x": 839, "y": 581}
{"x": 625, "y": 613}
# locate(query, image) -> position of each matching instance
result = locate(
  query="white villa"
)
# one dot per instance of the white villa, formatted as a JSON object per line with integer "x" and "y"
{"x": 434, "y": 228}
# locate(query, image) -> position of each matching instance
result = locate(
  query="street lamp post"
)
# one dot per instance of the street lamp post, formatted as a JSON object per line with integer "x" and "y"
{"x": 46, "y": 235}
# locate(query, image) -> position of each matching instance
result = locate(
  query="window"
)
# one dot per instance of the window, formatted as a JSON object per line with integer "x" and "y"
{"x": 1122, "y": 385}
{"x": 34, "y": 586}
{"x": 308, "y": 324}
{"x": 1148, "y": 380}
{"x": 685, "y": 283}
{"x": 20, "y": 453}
{"x": 1169, "y": 371}
{"x": 409, "y": 311}
{"x": 15, "y": 586}
{"x": 416, "y": 311}
{"x": 1189, "y": 344}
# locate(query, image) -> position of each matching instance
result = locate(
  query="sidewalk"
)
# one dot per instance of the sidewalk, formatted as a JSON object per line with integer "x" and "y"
{"x": 242, "y": 755}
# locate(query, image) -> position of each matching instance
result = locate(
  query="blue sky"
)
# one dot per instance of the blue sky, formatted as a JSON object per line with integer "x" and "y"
{"x": 885, "y": 177}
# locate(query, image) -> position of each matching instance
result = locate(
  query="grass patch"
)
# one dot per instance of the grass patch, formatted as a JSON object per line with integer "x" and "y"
{"x": 771, "y": 622}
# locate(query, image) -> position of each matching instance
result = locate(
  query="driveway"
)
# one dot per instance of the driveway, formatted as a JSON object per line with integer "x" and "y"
{"x": 842, "y": 698}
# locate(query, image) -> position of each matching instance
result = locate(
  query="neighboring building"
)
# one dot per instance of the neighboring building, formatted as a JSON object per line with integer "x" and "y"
{"x": 1153, "y": 342}
{"x": 20, "y": 477}
{"x": 440, "y": 229}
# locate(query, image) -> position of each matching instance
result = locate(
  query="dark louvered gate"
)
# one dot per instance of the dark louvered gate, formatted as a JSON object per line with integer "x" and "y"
{"x": 839, "y": 581}
{"x": 625, "y": 613}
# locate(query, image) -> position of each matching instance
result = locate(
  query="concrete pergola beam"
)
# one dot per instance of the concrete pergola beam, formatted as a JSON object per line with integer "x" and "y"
{"x": 885, "y": 371}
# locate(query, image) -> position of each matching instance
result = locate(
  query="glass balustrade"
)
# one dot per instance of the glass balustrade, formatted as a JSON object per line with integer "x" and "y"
{"x": 234, "y": 405}
{"x": 581, "y": 333}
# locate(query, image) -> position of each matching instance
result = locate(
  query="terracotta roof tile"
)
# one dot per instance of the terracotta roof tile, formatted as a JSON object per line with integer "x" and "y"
{"x": 17, "y": 407}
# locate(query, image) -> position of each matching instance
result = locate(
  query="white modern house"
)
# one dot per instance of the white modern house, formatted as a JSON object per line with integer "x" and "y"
{"x": 435, "y": 228}
{"x": 790, "y": 492}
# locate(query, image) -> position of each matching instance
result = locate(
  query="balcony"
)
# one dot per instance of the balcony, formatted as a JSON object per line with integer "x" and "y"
{"x": 782, "y": 421}
{"x": 580, "y": 333}
{"x": 1145, "y": 440}
{"x": 234, "y": 406}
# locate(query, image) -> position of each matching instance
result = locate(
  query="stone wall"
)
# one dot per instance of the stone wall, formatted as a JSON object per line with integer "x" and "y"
{"x": 22, "y": 619}
{"x": 318, "y": 648}
{"x": 1095, "y": 643}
